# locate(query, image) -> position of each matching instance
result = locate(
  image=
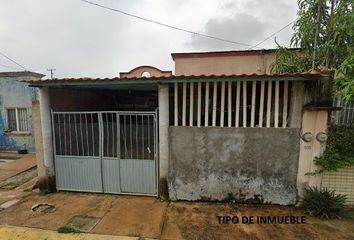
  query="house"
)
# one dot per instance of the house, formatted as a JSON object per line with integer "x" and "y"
{"x": 16, "y": 99}
{"x": 222, "y": 127}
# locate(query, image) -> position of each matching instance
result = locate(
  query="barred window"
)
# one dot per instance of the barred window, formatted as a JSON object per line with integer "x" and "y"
{"x": 17, "y": 119}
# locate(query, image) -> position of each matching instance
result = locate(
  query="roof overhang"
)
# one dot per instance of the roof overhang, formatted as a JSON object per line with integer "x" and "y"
{"x": 21, "y": 74}
{"x": 126, "y": 83}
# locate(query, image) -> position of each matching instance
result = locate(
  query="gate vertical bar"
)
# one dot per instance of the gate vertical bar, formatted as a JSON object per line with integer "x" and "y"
{"x": 87, "y": 137}
{"x": 93, "y": 136}
{"x": 137, "y": 136}
{"x": 156, "y": 146}
{"x": 59, "y": 133}
{"x": 118, "y": 150}
{"x": 65, "y": 145}
{"x": 142, "y": 138}
{"x": 76, "y": 136}
{"x": 100, "y": 134}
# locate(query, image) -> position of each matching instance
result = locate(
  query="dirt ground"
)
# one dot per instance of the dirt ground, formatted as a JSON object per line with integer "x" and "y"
{"x": 149, "y": 217}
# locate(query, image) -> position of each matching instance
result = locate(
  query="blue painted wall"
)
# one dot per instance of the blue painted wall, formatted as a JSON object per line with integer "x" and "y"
{"x": 14, "y": 94}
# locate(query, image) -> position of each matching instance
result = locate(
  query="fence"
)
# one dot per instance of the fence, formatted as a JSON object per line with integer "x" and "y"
{"x": 232, "y": 104}
{"x": 344, "y": 116}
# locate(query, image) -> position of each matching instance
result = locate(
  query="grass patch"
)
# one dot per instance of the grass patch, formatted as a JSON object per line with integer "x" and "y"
{"x": 66, "y": 229}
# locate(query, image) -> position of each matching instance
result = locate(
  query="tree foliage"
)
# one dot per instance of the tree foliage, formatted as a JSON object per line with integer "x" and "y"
{"x": 339, "y": 152}
{"x": 288, "y": 62}
{"x": 331, "y": 23}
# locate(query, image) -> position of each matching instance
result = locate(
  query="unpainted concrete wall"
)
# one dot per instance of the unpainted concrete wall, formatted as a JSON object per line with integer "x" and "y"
{"x": 245, "y": 164}
{"x": 14, "y": 94}
{"x": 37, "y": 128}
{"x": 243, "y": 64}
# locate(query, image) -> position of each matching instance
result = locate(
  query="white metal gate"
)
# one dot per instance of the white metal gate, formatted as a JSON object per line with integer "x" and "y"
{"x": 110, "y": 152}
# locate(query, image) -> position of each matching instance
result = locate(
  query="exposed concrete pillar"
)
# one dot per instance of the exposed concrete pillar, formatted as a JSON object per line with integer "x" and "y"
{"x": 163, "y": 137}
{"x": 44, "y": 102}
{"x": 37, "y": 129}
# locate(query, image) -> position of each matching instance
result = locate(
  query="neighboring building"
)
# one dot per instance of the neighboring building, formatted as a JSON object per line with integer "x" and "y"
{"x": 16, "y": 131}
{"x": 225, "y": 62}
{"x": 221, "y": 128}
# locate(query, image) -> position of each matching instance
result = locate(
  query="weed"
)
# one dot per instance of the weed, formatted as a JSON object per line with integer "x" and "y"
{"x": 323, "y": 203}
{"x": 66, "y": 229}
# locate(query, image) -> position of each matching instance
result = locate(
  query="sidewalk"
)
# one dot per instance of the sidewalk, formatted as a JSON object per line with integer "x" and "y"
{"x": 16, "y": 177}
{"x": 148, "y": 217}
{"x": 25, "y": 162}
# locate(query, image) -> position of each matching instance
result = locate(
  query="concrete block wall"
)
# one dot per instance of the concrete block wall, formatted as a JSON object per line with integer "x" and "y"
{"x": 245, "y": 164}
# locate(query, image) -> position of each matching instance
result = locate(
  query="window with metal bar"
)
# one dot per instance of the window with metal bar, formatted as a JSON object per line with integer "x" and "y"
{"x": 17, "y": 119}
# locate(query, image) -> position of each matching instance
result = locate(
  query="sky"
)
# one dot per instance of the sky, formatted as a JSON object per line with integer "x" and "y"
{"x": 81, "y": 40}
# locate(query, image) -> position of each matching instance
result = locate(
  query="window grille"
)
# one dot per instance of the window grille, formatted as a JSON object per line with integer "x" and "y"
{"x": 17, "y": 119}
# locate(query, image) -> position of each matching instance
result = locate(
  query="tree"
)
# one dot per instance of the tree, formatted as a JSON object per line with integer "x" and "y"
{"x": 324, "y": 30}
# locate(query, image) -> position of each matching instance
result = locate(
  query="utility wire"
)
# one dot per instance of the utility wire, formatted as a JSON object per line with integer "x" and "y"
{"x": 8, "y": 58}
{"x": 167, "y": 25}
{"x": 273, "y": 34}
{"x": 7, "y": 66}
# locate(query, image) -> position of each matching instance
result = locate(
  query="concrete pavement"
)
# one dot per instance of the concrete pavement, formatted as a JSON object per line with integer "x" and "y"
{"x": 25, "y": 162}
{"x": 148, "y": 217}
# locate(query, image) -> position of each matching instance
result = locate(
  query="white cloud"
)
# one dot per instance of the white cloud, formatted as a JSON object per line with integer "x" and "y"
{"x": 83, "y": 40}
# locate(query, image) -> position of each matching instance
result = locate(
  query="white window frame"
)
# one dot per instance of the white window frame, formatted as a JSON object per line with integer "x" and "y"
{"x": 17, "y": 119}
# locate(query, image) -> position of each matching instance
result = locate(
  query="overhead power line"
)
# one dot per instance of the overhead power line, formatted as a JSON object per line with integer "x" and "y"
{"x": 8, "y": 58}
{"x": 167, "y": 25}
{"x": 275, "y": 33}
{"x": 7, "y": 66}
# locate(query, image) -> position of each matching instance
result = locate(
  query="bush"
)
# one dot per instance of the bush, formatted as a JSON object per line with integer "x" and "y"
{"x": 339, "y": 152}
{"x": 323, "y": 203}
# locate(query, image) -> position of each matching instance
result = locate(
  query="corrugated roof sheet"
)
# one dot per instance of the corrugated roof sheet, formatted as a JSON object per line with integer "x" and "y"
{"x": 305, "y": 75}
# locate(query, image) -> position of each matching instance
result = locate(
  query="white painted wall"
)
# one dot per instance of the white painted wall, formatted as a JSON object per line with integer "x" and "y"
{"x": 163, "y": 129}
